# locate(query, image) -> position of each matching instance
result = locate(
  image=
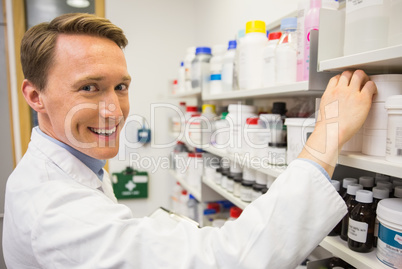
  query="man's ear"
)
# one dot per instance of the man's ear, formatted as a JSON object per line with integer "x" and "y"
{"x": 33, "y": 96}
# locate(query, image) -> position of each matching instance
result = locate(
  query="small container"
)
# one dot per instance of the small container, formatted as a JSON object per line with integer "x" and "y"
{"x": 350, "y": 200}
{"x": 386, "y": 184}
{"x": 298, "y": 131}
{"x": 367, "y": 182}
{"x": 398, "y": 192}
{"x": 387, "y": 85}
{"x": 249, "y": 174}
{"x": 200, "y": 71}
{"x": 394, "y": 133}
{"x": 379, "y": 193}
{"x": 337, "y": 229}
{"x": 286, "y": 52}
{"x": 257, "y": 191}
{"x": 230, "y": 184}
{"x": 224, "y": 181}
{"x": 381, "y": 177}
{"x": 237, "y": 186}
{"x": 345, "y": 183}
{"x": 277, "y": 153}
{"x": 228, "y": 66}
{"x": 269, "y": 65}
{"x": 215, "y": 84}
{"x": 246, "y": 190}
{"x": 235, "y": 213}
{"x": 362, "y": 223}
{"x": 374, "y": 142}
{"x": 355, "y": 143}
{"x": 377, "y": 117}
{"x": 218, "y": 176}
{"x": 389, "y": 247}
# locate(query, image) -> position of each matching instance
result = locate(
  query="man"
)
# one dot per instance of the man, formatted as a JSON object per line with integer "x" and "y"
{"x": 60, "y": 209}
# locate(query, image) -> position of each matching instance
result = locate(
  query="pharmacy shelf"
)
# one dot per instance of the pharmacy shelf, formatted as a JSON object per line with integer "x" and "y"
{"x": 227, "y": 195}
{"x": 370, "y": 163}
{"x": 339, "y": 248}
{"x": 194, "y": 191}
{"x": 196, "y": 93}
{"x": 293, "y": 89}
{"x": 386, "y": 60}
{"x": 247, "y": 161}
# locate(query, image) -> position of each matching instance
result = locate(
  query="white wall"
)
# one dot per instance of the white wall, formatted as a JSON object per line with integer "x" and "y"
{"x": 159, "y": 32}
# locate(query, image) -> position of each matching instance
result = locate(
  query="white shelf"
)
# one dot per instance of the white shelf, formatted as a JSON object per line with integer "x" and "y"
{"x": 386, "y": 60}
{"x": 186, "y": 94}
{"x": 227, "y": 195}
{"x": 269, "y": 169}
{"x": 339, "y": 248}
{"x": 294, "y": 89}
{"x": 194, "y": 191}
{"x": 370, "y": 163}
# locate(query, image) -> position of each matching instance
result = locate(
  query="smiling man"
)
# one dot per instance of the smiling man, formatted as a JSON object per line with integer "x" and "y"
{"x": 60, "y": 210}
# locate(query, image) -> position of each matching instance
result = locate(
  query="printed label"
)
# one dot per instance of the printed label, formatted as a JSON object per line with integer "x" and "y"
{"x": 389, "y": 250}
{"x": 353, "y": 5}
{"x": 357, "y": 231}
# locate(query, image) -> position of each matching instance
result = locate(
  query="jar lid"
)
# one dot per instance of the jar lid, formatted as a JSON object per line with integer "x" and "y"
{"x": 380, "y": 192}
{"x": 364, "y": 196}
{"x": 234, "y": 108}
{"x": 366, "y": 181}
{"x": 255, "y": 27}
{"x": 252, "y": 121}
{"x": 353, "y": 188}
{"x": 385, "y": 184}
{"x": 274, "y": 36}
{"x": 191, "y": 109}
{"x": 394, "y": 102}
{"x": 235, "y": 212}
{"x": 277, "y": 145}
{"x": 336, "y": 184}
{"x": 194, "y": 155}
{"x": 208, "y": 108}
{"x": 232, "y": 44}
{"x": 203, "y": 50}
{"x": 347, "y": 181}
{"x": 258, "y": 187}
{"x": 390, "y": 210}
{"x": 216, "y": 77}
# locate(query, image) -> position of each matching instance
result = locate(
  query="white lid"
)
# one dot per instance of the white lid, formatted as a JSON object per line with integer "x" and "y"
{"x": 364, "y": 196}
{"x": 390, "y": 210}
{"x": 379, "y": 176}
{"x": 397, "y": 182}
{"x": 336, "y": 184}
{"x": 374, "y": 132}
{"x": 366, "y": 181}
{"x": 398, "y": 192}
{"x": 394, "y": 102}
{"x": 219, "y": 49}
{"x": 385, "y": 184}
{"x": 261, "y": 178}
{"x": 300, "y": 122}
{"x": 380, "y": 192}
{"x": 234, "y": 108}
{"x": 353, "y": 188}
{"x": 386, "y": 77}
{"x": 347, "y": 181}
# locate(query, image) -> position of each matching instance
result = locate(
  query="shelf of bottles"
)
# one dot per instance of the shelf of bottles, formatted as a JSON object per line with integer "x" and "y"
{"x": 340, "y": 248}
{"x": 194, "y": 191}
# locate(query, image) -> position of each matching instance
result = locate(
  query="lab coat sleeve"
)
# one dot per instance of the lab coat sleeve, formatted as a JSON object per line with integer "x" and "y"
{"x": 278, "y": 230}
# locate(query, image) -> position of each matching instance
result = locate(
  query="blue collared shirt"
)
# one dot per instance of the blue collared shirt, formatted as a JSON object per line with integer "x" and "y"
{"x": 94, "y": 164}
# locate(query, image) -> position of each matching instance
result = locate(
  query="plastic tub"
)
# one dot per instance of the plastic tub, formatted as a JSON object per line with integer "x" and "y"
{"x": 374, "y": 142}
{"x": 394, "y": 130}
{"x": 298, "y": 131}
{"x": 377, "y": 117}
{"x": 389, "y": 246}
{"x": 387, "y": 85}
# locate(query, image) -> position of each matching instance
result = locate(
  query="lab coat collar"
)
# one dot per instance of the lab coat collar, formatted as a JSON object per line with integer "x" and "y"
{"x": 70, "y": 164}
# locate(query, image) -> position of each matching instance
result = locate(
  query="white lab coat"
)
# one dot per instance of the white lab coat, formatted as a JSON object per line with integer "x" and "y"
{"x": 58, "y": 214}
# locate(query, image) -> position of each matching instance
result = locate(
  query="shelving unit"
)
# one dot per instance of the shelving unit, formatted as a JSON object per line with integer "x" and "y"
{"x": 196, "y": 93}
{"x": 338, "y": 247}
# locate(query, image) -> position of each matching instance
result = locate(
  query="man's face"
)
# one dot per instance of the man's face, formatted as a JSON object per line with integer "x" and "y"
{"x": 86, "y": 96}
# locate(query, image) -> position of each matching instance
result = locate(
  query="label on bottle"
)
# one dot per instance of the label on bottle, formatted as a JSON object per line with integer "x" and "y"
{"x": 357, "y": 231}
{"x": 353, "y": 5}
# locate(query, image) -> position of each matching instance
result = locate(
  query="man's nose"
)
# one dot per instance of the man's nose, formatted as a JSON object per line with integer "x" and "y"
{"x": 110, "y": 106}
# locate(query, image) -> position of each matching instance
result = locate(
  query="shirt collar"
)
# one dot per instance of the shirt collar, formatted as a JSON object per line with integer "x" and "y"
{"x": 94, "y": 164}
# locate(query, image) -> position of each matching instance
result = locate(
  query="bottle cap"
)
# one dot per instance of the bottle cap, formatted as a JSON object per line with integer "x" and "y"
{"x": 353, "y": 188}
{"x": 191, "y": 109}
{"x": 182, "y": 103}
{"x": 208, "y": 108}
{"x": 347, "y": 181}
{"x": 224, "y": 114}
{"x": 241, "y": 33}
{"x": 385, "y": 184}
{"x": 204, "y": 50}
{"x": 279, "y": 108}
{"x": 215, "y": 206}
{"x": 252, "y": 121}
{"x": 289, "y": 23}
{"x": 194, "y": 155}
{"x": 277, "y": 145}
{"x": 235, "y": 212}
{"x": 364, "y": 196}
{"x": 274, "y": 35}
{"x": 232, "y": 44}
{"x": 255, "y": 27}
{"x": 209, "y": 211}
{"x": 216, "y": 77}
{"x": 380, "y": 192}
{"x": 366, "y": 181}
{"x": 397, "y": 182}
{"x": 379, "y": 177}
{"x": 398, "y": 192}
{"x": 247, "y": 183}
{"x": 336, "y": 184}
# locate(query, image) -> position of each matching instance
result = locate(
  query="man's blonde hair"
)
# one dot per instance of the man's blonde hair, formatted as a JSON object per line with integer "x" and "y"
{"x": 39, "y": 42}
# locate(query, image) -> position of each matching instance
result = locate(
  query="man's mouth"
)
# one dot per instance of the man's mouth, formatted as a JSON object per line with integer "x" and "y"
{"x": 104, "y": 132}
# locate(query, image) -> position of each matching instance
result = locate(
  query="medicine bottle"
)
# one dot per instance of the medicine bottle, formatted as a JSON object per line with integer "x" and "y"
{"x": 240, "y": 37}
{"x": 345, "y": 183}
{"x": 250, "y": 57}
{"x": 190, "y": 55}
{"x": 286, "y": 52}
{"x": 181, "y": 80}
{"x": 386, "y": 184}
{"x": 350, "y": 200}
{"x": 245, "y": 190}
{"x": 367, "y": 182}
{"x": 361, "y": 223}
{"x": 200, "y": 72}
{"x": 379, "y": 193}
{"x": 268, "y": 56}
{"x": 227, "y": 66}
{"x": 337, "y": 229}
{"x": 237, "y": 186}
{"x": 216, "y": 61}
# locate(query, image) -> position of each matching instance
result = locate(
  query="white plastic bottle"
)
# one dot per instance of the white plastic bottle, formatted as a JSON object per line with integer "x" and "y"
{"x": 181, "y": 79}
{"x": 286, "y": 52}
{"x": 269, "y": 65}
{"x": 200, "y": 72}
{"x": 215, "y": 64}
{"x": 190, "y": 55}
{"x": 311, "y": 22}
{"x": 240, "y": 37}
{"x": 227, "y": 66}
{"x": 250, "y": 57}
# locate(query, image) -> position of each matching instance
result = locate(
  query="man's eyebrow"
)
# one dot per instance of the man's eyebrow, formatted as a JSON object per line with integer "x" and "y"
{"x": 99, "y": 78}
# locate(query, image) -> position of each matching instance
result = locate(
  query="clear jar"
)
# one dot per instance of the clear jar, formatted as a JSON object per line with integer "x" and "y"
{"x": 200, "y": 69}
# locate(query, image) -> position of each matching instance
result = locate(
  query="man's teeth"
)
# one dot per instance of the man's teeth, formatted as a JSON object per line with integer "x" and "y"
{"x": 104, "y": 131}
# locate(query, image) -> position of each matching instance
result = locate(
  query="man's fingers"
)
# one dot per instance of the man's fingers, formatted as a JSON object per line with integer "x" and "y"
{"x": 345, "y": 78}
{"x": 333, "y": 81}
{"x": 369, "y": 89}
{"x": 358, "y": 80}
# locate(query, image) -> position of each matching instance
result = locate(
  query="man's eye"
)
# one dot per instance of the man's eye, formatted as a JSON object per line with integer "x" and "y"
{"x": 121, "y": 87}
{"x": 88, "y": 88}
